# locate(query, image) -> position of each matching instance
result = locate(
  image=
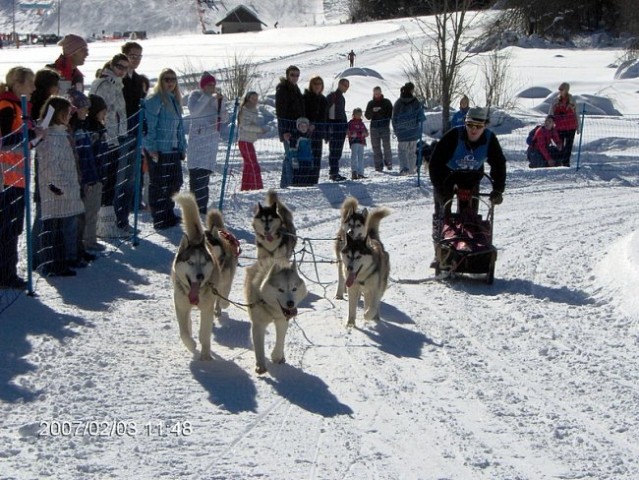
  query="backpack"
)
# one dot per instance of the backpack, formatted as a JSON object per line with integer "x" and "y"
{"x": 531, "y": 135}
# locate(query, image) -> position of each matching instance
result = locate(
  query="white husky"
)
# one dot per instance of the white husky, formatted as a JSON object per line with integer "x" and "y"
{"x": 202, "y": 273}
{"x": 273, "y": 290}
{"x": 352, "y": 223}
{"x": 366, "y": 267}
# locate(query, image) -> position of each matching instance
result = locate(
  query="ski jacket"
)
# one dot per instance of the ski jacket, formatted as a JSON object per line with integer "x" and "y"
{"x": 408, "y": 116}
{"x": 68, "y": 73}
{"x": 165, "y": 127}
{"x": 11, "y": 153}
{"x": 379, "y": 112}
{"x": 542, "y": 139}
{"x": 564, "y": 109}
{"x": 109, "y": 87}
{"x": 356, "y": 132}
{"x": 336, "y": 107}
{"x": 316, "y": 108}
{"x": 204, "y": 134}
{"x": 250, "y": 126}
{"x": 289, "y": 106}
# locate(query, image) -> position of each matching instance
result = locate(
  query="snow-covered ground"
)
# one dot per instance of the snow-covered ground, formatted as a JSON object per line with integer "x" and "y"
{"x": 534, "y": 377}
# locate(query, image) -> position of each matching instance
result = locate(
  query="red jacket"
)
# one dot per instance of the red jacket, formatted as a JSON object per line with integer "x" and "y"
{"x": 564, "y": 110}
{"x": 543, "y": 139}
{"x": 357, "y": 131}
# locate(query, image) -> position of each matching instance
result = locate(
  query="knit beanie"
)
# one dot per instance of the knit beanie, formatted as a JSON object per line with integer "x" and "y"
{"x": 78, "y": 99}
{"x": 302, "y": 120}
{"x": 206, "y": 79}
{"x": 71, "y": 43}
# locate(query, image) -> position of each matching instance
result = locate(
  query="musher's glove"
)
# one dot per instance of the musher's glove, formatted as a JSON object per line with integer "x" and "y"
{"x": 496, "y": 197}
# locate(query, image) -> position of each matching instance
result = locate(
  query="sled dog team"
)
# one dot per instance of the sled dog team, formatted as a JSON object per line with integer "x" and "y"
{"x": 206, "y": 261}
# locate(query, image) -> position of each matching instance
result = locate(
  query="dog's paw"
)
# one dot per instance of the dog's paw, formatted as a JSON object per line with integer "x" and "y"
{"x": 279, "y": 360}
{"x": 350, "y": 323}
{"x": 205, "y": 356}
{"x": 260, "y": 369}
{"x": 339, "y": 296}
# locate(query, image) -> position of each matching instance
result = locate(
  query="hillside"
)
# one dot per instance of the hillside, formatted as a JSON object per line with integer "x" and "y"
{"x": 157, "y": 16}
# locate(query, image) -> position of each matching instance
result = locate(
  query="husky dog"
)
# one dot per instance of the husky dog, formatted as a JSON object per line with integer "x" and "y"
{"x": 274, "y": 229}
{"x": 203, "y": 267}
{"x": 273, "y": 290}
{"x": 352, "y": 224}
{"x": 366, "y": 267}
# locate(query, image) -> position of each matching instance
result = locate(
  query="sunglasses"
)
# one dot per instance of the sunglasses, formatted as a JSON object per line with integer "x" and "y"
{"x": 119, "y": 66}
{"x": 293, "y": 74}
{"x": 475, "y": 125}
{"x": 133, "y": 55}
{"x": 169, "y": 79}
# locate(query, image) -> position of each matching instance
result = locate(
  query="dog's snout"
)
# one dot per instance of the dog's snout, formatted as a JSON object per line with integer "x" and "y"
{"x": 200, "y": 277}
{"x": 290, "y": 304}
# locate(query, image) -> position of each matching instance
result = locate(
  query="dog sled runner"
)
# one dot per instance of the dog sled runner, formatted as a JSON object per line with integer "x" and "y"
{"x": 463, "y": 238}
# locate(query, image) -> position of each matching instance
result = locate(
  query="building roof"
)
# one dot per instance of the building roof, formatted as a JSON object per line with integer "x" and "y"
{"x": 240, "y": 14}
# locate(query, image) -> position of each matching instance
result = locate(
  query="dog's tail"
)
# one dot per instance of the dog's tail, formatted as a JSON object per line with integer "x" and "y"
{"x": 272, "y": 198}
{"x": 214, "y": 219}
{"x": 349, "y": 205}
{"x": 372, "y": 222}
{"x": 191, "y": 223}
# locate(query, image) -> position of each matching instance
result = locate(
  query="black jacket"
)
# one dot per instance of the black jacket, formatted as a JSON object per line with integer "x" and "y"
{"x": 133, "y": 91}
{"x": 289, "y": 106}
{"x": 379, "y": 112}
{"x": 316, "y": 109}
{"x": 336, "y": 107}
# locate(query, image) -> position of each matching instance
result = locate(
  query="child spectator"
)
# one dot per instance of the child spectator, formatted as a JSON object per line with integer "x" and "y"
{"x": 545, "y": 147}
{"x": 250, "y": 129}
{"x": 357, "y": 134}
{"x": 59, "y": 193}
{"x": 90, "y": 179}
{"x": 301, "y": 152}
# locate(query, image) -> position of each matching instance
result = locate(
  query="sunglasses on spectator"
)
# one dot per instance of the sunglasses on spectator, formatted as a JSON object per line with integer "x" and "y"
{"x": 475, "y": 125}
{"x": 133, "y": 55}
{"x": 169, "y": 79}
{"x": 294, "y": 74}
{"x": 119, "y": 66}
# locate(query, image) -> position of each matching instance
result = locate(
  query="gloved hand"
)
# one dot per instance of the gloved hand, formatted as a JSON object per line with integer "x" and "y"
{"x": 496, "y": 197}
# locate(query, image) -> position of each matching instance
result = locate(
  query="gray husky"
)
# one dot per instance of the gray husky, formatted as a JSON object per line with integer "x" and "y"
{"x": 202, "y": 273}
{"x": 366, "y": 266}
{"x": 352, "y": 223}
{"x": 275, "y": 234}
{"x": 273, "y": 290}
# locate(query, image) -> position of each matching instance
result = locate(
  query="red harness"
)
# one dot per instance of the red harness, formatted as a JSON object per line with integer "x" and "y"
{"x": 234, "y": 241}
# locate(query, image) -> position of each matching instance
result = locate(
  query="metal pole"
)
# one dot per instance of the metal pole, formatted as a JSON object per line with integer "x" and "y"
{"x": 58, "y": 18}
{"x": 228, "y": 152}
{"x": 27, "y": 192}
{"x": 14, "y": 24}
{"x": 581, "y": 134}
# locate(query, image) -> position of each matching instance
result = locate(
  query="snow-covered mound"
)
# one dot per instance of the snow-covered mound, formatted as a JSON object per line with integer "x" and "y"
{"x": 628, "y": 69}
{"x": 594, "y": 104}
{"x": 534, "y": 92}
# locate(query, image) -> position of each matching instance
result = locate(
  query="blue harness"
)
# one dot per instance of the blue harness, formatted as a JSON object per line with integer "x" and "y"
{"x": 466, "y": 158}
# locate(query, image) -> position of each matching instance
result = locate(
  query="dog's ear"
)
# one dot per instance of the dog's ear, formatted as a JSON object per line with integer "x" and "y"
{"x": 258, "y": 208}
{"x": 365, "y": 213}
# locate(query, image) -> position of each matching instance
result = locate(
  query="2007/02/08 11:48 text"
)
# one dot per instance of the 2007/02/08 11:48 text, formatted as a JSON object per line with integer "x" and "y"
{"x": 113, "y": 428}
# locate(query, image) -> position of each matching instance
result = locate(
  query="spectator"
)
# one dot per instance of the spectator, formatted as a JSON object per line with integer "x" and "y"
{"x": 19, "y": 81}
{"x": 408, "y": 118}
{"x": 357, "y": 134}
{"x": 95, "y": 124}
{"x": 60, "y": 194}
{"x": 134, "y": 91}
{"x": 564, "y": 111}
{"x": 380, "y": 111}
{"x": 459, "y": 158}
{"x": 90, "y": 178}
{"x": 250, "y": 129}
{"x": 113, "y": 219}
{"x": 337, "y": 128}
{"x": 317, "y": 112}
{"x": 301, "y": 153}
{"x": 459, "y": 117}
{"x": 544, "y": 147}
{"x": 74, "y": 53}
{"x": 207, "y": 110}
{"x": 289, "y": 106}
{"x": 166, "y": 143}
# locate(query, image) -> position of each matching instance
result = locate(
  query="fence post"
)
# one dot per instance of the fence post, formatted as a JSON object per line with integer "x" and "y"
{"x": 581, "y": 133}
{"x": 228, "y": 153}
{"x": 138, "y": 173}
{"x": 27, "y": 191}
{"x": 419, "y": 159}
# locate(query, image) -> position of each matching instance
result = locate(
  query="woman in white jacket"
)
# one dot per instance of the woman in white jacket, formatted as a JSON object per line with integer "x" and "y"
{"x": 207, "y": 111}
{"x": 250, "y": 129}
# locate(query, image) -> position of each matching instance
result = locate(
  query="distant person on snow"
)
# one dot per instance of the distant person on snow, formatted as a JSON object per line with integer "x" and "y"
{"x": 564, "y": 109}
{"x": 351, "y": 57}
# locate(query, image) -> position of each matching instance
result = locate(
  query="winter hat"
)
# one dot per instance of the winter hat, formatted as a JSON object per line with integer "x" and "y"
{"x": 72, "y": 43}
{"x": 302, "y": 121}
{"x": 78, "y": 99}
{"x": 206, "y": 79}
{"x": 477, "y": 114}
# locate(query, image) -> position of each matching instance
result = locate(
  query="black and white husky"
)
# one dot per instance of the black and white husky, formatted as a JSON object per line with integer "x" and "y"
{"x": 273, "y": 289}
{"x": 202, "y": 273}
{"x": 275, "y": 234}
{"x": 366, "y": 267}
{"x": 352, "y": 223}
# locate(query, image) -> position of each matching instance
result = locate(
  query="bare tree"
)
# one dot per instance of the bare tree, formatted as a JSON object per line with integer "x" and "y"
{"x": 238, "y": 74}
{"x": 448, "y": 54}
{"x": 496, "y": 70}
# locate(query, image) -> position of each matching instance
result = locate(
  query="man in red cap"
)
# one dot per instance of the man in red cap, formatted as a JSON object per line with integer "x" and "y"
{"x": 74, "y": 52}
